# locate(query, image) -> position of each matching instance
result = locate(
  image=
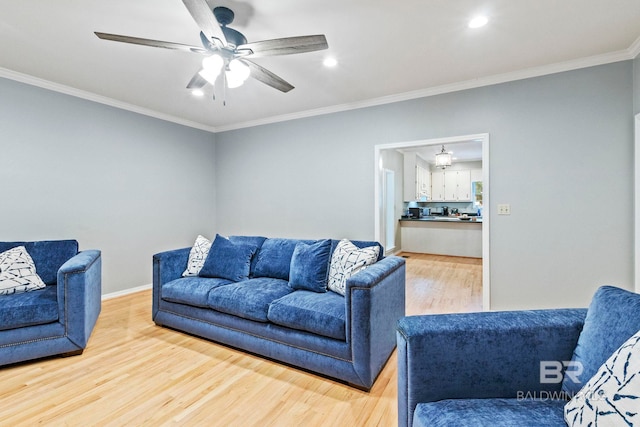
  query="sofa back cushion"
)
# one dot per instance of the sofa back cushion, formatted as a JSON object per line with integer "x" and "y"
{"x": 47, "y": 255}
{"x": 256, "y": 241}
{"x": 274, "y": 258}
{"x": 612, "y": 318}
{"x": 228, "y": 260}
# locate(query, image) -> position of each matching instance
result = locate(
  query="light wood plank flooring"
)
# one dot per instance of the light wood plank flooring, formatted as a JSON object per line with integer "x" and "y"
{"x": 134, "y": 373}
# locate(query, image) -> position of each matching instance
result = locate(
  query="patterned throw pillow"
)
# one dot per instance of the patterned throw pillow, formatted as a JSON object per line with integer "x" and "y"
{"x": 612, "y": 395}
{"x": 18, "y": 272}
{"x": 197, "y": 255}
{"x": 347, "y": 260}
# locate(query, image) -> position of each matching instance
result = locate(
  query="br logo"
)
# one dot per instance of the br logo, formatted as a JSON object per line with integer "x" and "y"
{"x": 553, "y": 371}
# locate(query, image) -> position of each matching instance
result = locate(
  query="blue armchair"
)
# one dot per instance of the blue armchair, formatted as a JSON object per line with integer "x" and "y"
{"x": 506, "y": 368}
{"x": 59, "y": 318}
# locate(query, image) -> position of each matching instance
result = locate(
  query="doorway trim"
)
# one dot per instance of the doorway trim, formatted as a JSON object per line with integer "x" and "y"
{"x": 486, "y": 205}
{"x": 636, "y": 192}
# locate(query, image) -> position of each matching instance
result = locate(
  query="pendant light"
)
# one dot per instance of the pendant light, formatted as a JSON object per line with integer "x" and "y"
{"x": 443, "y": 159}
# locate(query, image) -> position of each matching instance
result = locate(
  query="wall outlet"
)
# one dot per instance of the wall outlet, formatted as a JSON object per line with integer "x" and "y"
{"x": 504, "y": 209}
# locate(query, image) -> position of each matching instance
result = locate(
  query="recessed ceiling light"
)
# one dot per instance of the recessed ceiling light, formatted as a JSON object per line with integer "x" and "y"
{"x": 197, "y": 92}
{"x": 330, "y": 62}
{"x": 478, "y": 21}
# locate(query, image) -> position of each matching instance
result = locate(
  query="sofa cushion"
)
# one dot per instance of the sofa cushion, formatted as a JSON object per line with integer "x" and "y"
{"x": 191, "y": 290}
{"x": 612, "y": 318}
{"x": 612, "y": 396}
{"x": 48, "y": 255}
{"x": 274, "y": 258}
{"x": 249, "y": 299}
{"x": 228, "y": 260}
{"x": 490, "y": 412}
{"x": 348, "y": 259}
{"x": 18, "y": 272}
{"x": 256, "y": 241}
{"x": 29, "y": 308}
{"x": 318, "y": 313}
{"x": 310, "y": 266}
{"x": 197, "y": 256}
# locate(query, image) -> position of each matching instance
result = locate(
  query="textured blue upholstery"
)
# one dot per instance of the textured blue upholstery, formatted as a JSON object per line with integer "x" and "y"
{"x": 318, "y": 313}
{"x": 490, "y": 412}
{"x": 274, "y": 258}
{"x": 481, "y": 355}
{"x": 612, "y": 318}
{"x": 256, "y": 241}
{"x": 487, "y": 368}
{"x": 59, "y": 318}
{"x": 349, "y": 338}
{"x": 29, "y": 308}
{"x": 248, "y": 299}
{"x": 191, "y": 290}
{"x": 310, "y": 266}
{"x": 48, "y": 255}
{"x": 228, "y": 260}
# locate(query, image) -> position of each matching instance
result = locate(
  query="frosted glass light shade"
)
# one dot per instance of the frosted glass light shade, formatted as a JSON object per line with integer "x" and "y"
{"x": 237, "y": 73}
{"x": 443, "y": 159}
{"x": 211, "y": 68}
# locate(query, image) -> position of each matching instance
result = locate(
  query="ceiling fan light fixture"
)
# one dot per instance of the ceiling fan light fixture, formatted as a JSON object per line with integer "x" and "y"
{"x": 443, "y": 159}
{"x": 237, "y": 74}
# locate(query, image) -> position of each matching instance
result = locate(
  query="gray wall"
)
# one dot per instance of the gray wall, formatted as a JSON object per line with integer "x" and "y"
{"x": 636, "y": 85}
{"x": 117, "y": 181}
{"x": 561, "y": 153}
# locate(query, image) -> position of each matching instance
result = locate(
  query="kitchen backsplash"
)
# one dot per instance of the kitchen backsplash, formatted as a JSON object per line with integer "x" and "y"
{"x": 463, "y": 207}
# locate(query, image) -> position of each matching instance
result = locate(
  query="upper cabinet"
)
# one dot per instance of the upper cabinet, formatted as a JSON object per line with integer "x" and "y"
{"x": 451, "y": 186}
{"x": 417, "y": 179}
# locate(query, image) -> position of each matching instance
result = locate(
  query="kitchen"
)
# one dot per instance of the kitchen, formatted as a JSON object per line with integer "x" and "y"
{"x": 442, "y": 199}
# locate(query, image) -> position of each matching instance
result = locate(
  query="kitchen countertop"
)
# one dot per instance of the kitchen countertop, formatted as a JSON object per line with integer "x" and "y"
{"x": 474, "y": 219}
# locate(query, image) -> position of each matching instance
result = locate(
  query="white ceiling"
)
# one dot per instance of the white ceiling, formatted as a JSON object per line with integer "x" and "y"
{"x": 387, "y": 50}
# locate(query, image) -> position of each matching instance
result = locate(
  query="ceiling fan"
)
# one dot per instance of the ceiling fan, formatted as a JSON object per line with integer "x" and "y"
{"x": 226, "y": 51}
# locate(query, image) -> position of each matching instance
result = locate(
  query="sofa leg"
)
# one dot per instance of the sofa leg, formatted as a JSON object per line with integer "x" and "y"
{"x": 72, "y": 353}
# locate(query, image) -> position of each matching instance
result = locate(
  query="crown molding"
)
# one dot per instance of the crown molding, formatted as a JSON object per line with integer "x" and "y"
{"x": 622, "y": 55}
{"x": 90, "y": 96}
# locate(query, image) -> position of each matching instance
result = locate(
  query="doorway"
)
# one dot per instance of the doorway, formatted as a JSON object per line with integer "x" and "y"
{"x": 388, "y": 233}
{"x": 381, "y": 152}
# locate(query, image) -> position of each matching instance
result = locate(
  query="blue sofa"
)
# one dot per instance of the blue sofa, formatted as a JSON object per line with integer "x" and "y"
{"x": 349, "y": 338}
{"x": 59, "y": 318}
{"x": 516, "y": 368}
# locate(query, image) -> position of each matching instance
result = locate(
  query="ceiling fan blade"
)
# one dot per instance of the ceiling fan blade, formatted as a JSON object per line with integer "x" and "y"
{"x": 203, "y": 15}
{"x": 197, "y": 81}
{"x": 149, "y": 42}
{"x": 285, "y": 46}
{"x": 267, "y": 77}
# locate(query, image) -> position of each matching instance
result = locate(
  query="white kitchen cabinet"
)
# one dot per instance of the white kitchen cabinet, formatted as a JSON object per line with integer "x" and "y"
{"x": 437, "y": 187}
{"x": 423, "y": 187}
{"x": 410, "y": 179}
{"x": 451, "y": 186}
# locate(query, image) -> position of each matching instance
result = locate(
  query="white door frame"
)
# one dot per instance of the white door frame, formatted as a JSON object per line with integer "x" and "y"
{"x": 636, "y": 222}
{"x": 486, "y": 206}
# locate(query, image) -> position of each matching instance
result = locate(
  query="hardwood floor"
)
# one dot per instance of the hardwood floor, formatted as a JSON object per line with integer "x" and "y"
{"x": 134, "y": 373}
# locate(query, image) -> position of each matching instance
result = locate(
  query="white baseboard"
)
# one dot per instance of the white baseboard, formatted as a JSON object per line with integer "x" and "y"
{"x": 126, "y": 292}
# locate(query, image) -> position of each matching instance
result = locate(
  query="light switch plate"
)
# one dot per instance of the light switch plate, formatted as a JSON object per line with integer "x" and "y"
{"x": 504, "y": 209}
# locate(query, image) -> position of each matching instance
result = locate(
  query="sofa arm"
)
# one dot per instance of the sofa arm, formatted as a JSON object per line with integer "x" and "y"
{"x": 80, "y": 295}
{"x": 375, "y": 299}
{"x": 167, "y": 266}
{"x": 481, "y": 355}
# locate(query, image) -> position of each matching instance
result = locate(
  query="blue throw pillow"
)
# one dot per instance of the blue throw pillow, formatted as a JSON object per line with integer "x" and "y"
{"x": 274, "y": 258}
{"x": 228, "y": 260}
{"x": 310, "y": 266}
{"x": 613, "y": 317}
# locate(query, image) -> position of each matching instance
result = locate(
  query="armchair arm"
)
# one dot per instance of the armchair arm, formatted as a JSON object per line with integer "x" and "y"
{"x": 480, "y": 355}
{"x": 375, "y": 299}
{"x": 80, "y": 295}
{"x": 167, "y": 266}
